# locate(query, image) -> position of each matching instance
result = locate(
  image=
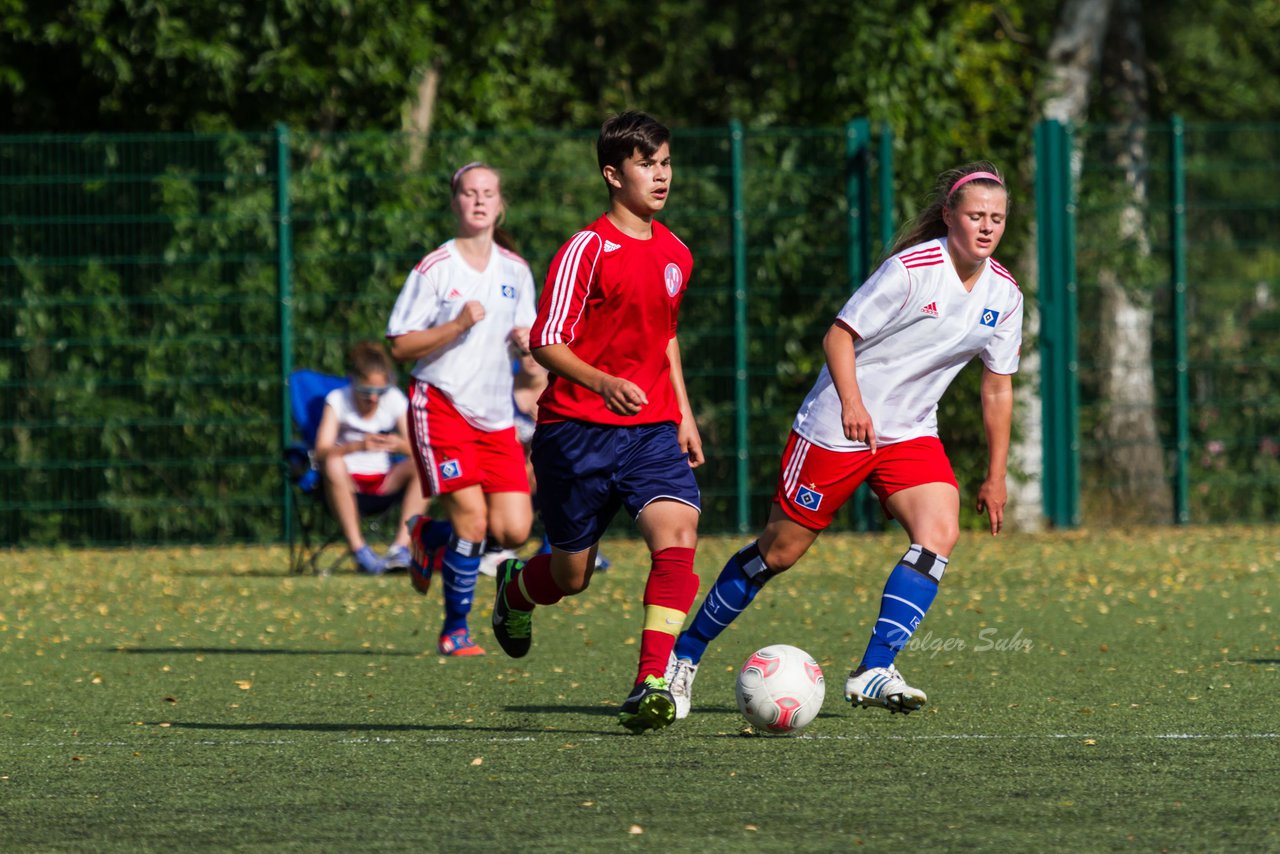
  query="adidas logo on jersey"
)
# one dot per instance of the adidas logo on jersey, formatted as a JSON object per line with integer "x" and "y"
{"x": 610, "y": 246}
{"x": 931, "y": 309}
{"x": 454, "y": 293}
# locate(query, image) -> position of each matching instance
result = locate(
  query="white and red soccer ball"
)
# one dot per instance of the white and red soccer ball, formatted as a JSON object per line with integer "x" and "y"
{"x": 780, "y": 688}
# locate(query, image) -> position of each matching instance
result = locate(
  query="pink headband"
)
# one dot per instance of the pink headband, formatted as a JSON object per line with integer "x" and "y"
{"x": 973, "y": 176}
{"x": 462, "y": 170}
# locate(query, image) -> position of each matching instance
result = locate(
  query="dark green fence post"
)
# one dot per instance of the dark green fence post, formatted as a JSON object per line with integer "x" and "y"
{"x": 857, "y": 139}
{"x": 857, "y": 157}
{"x": 284, "y": 298}
{"x": 740, "y": 378}
{"x": 1058, "y": 387}
{"x": 886, "y": 188}
{"x": 1178, "y": 272}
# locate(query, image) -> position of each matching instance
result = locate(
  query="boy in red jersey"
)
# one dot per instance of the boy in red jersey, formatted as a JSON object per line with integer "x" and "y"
{"x": 615, "y": 427}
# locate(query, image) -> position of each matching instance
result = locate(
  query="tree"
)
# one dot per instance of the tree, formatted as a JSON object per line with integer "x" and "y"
{"x": 1131, "y": 450}
{"x": 1074, "y": 56}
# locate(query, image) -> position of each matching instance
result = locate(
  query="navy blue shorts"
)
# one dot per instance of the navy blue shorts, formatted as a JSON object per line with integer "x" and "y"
{"x": 586, "y": 472}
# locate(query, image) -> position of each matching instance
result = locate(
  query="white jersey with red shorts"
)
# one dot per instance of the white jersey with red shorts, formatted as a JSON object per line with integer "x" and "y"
{"x": 461, "y": 418}
{"x": 452, "y": 454}
{"x": 915, "y": 328}
{"x": 474, "y": 370}
{"x": 353, "y": 427}
{"x": 614, "y": 300}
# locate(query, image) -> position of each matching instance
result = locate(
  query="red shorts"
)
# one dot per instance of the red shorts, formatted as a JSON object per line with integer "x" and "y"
{"x": 814, "y": 483}
{"x": 452, "y": 455}
{"x": 369, "y": 484}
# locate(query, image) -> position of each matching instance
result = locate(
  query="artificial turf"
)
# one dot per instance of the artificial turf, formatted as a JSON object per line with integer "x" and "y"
{"x": 1096, "y": 690}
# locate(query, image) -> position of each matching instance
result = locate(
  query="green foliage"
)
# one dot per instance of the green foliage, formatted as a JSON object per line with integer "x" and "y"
{"x": 952, "y": 80}
{"x": 175, "y": 337}
{"x": 1215, "y": 59}
{"x": 181, "y": 65}
{"x": 1232, "y": 275}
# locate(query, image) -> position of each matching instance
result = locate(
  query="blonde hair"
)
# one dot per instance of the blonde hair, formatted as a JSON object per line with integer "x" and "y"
{"x": 948, "y": 190}
{"x": 500, "y": 234}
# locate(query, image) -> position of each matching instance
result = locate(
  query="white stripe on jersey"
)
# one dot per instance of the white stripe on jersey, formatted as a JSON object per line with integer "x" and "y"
{"x": 562, "y": 288}
{"x": 432, "y": 259}
{"x": 791, "y": 476}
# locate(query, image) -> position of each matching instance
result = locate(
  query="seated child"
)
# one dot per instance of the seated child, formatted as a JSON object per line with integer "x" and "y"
{"x": 362, "y": 448}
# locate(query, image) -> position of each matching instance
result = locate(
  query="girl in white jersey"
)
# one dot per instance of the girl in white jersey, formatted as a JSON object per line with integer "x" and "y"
{"x": 462, "y": 310}
{"x": 362, "y": 431}
{"x": 938, "y": 301}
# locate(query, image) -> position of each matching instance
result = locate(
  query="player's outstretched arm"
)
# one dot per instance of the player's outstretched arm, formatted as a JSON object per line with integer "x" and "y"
{"x": 620, "y": 396}
{"x": 997, "y": 421}
{"x": 687, "y": 432}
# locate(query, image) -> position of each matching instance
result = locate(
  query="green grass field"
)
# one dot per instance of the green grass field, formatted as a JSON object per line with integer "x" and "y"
{"x": 1093, "y": 691}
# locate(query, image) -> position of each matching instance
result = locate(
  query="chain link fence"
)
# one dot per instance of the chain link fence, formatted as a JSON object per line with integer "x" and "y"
{"x": 158, "y": 289}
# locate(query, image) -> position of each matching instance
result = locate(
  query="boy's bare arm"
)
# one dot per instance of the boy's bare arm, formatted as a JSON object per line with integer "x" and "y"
{"x": 687, "y": 432}
{"x": 622, "y": 397}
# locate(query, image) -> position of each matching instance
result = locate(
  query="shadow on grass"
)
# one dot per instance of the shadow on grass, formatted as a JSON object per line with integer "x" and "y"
{"x": 233, "y": 650}
{"x": 378, "y": 728}
{"x": 561, "y": 709}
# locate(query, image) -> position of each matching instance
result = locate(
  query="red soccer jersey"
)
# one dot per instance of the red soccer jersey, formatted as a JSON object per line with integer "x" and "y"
{"x": 614, "y": 301}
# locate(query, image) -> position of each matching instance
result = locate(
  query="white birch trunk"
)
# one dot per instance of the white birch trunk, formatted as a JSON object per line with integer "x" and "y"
{"x": 1131, "y": 451}
{"x": 1074, "y": 55}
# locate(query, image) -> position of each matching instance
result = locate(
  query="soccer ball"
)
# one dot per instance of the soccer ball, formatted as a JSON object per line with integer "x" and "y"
{"x": 780, "y": 688}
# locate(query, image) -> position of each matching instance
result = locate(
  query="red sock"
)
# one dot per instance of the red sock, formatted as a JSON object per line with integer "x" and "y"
{"x": 534, "y": 585}
{"x": 668, "y": 595}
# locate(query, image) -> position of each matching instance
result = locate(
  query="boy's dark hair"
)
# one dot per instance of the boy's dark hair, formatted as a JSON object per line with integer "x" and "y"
{"x": 370, "y": 357}
{"x": 627, "y": 132}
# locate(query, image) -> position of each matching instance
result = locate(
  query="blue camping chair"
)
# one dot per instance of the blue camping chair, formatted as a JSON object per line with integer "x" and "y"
{"x": 316, "y": 529}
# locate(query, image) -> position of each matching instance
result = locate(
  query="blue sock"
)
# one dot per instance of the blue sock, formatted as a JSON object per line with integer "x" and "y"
{"x": 908, "y": 593}
{"x": 739, "y": 582}
{"x": 458, "y": 579}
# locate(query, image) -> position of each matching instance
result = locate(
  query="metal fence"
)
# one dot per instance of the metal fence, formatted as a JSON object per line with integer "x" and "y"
{"x": 158, "y": 289}
{"x": 1160, "y": 294}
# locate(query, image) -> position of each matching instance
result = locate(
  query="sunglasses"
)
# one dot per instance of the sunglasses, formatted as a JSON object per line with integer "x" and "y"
{"x": 372, "y": 390}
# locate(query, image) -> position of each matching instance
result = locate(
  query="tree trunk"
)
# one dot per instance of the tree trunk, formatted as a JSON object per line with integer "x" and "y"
{"x": 1074, "y": 56}
{"x": 418, "y": 114}
{"x": 1131, "y": 453}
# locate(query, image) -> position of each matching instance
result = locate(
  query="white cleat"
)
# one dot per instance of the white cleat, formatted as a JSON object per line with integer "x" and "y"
{"x": 679, "y": 676}
{"x": 490, "y": 561}
{"x": 885, "y": 687}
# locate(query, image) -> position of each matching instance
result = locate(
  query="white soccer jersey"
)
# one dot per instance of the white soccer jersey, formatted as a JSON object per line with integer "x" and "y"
{"x": 916, "y": 328}
{"x": 475, "y": 370}
{"x": 352, "y": 426}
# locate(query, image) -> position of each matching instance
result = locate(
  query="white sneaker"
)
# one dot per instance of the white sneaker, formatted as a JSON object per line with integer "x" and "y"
{"x": 883, "y": 686}
{"x": 679, "y": 676}
{"x": 490, "y": 561}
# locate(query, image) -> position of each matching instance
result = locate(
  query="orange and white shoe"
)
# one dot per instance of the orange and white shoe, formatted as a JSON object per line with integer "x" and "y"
{"x": 458, "y": 643}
